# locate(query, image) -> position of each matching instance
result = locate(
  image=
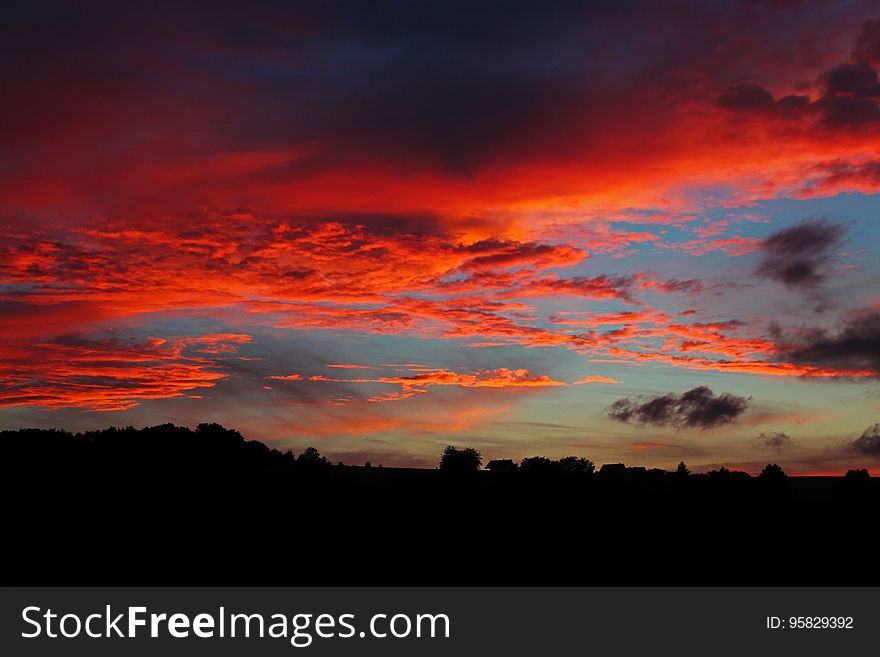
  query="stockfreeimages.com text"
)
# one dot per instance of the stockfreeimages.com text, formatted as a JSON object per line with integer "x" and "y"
{"x": 300, "y": 629}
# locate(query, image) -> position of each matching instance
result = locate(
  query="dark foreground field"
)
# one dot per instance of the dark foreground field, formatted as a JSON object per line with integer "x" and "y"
{"x": 171, "y": 505}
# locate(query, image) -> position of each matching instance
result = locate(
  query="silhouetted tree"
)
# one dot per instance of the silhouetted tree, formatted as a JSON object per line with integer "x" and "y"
{"x": 577, "y": 465}
{"x": 310, "y": 460}
{"x": 857, "y": 475}
{"x": 538, "y": 465}
{"x": 214, "y": 431}
{"x": 460, "y": 461}
{"x": 772, "y": 473}
{"x": 856, "y": 481}
{"x": 682, "y": 470}
{"x": 773, "y": 479}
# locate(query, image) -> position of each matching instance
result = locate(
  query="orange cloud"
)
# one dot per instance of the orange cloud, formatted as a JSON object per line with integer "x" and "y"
{"x": 107, "y": 375}
{"x": 594, "y": 379}
{"x": 419, "y": 383}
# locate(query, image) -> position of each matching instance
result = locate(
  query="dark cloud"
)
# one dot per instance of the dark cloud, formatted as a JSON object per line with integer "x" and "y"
{"x": 455, "y": 86}
{"x": 798, "y": 255}
{"x": 849, "y": 95}
{"x": 868, "y": 44}
{"x": 869, "y": 442}
{"x": 856, "y": 347}
{"x": 699, "y": 407}
{"x": 849, "y": 92}
{"x": 774, "y": 440}
{"x": 752, "y": 98}
{"x": 746, "y": 97}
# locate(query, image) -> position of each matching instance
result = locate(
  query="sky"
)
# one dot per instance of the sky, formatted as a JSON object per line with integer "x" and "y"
{"x": 635, "y": 232}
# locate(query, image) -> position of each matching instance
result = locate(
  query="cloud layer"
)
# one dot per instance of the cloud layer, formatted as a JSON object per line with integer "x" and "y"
{"x": 258, "y": 208}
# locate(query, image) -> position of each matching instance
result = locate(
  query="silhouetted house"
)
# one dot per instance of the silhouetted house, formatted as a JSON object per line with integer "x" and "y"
{"x": 616, "y": 470}
{"x": 636, "y": 472}
{"x": 501, "y": 466}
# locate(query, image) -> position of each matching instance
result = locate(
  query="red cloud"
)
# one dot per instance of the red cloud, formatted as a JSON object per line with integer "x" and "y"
{"x": 335, "y": 276}
{"x": 108, "y": 375}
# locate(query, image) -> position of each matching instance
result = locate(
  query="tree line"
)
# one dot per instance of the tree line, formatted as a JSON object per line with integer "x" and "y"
{"x": 468, "y": 461}
{"x": 212, "y": 447}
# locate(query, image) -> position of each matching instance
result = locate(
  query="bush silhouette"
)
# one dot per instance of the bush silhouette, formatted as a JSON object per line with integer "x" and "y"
{"x": 456, "y": 461}
{"x": 773, "y": 479}
{"x": 310, "y": 460}
{"x": 772, "y": 473}
{"x": 857, "y": 476}
{"x": 856, "y": 481}
{"x": 569, "y": 465}
{"x": 576, "y": 465}
{"x": 538, "y": 465}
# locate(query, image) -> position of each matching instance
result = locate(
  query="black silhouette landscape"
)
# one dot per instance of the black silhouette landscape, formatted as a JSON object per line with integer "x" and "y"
{"x": 169, "y": 503}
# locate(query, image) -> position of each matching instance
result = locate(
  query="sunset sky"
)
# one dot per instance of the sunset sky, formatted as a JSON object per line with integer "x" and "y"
{"x": 384, "y": 227}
